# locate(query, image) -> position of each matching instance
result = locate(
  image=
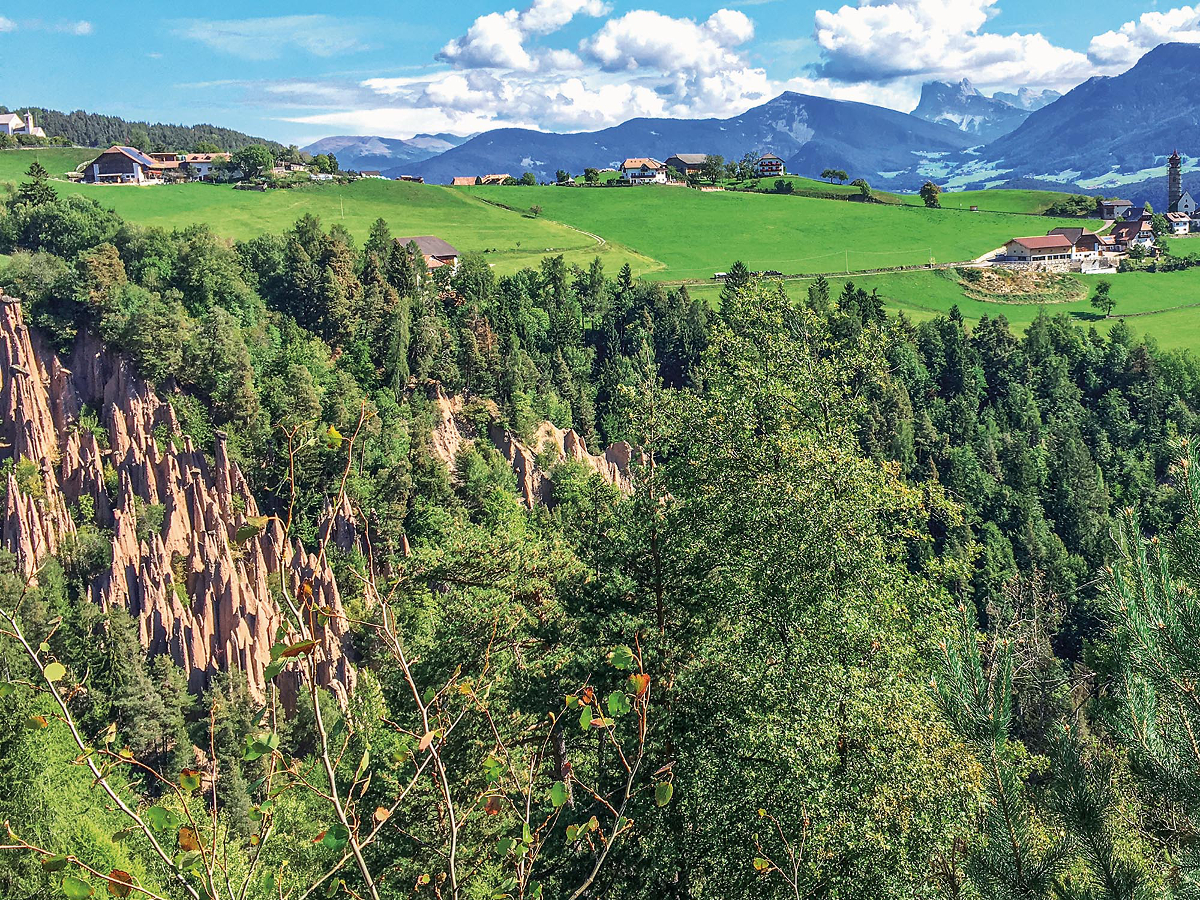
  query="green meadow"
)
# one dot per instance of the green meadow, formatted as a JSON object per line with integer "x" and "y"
{"x": 510, "y": 240}
{"x": 695, "y": 234}
{"x": 674, "y": 234}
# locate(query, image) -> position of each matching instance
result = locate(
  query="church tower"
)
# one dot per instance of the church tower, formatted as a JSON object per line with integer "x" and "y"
{"x": 1174, "y": 181}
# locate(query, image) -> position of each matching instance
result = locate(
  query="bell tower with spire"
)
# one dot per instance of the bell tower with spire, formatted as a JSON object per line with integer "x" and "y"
{"x": 1174, "y": 181}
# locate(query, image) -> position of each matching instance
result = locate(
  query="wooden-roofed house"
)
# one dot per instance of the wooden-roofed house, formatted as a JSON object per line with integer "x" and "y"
{"x": 644, "y": 170}
{"x": 464, "y": 181}
{"x": 125, "y": 165}
{"x": 1041, "y": 248}
{"x": 768, "y": 166}
{"x": 436, "y": 251}
{"x": 687, "y": 164}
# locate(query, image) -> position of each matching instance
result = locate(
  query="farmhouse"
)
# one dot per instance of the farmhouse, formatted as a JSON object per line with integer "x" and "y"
{"x": 1114, "y": 209}
{"x": 644, "y": 170}
{"x": 768, "y": 166}
{"x": 1084, "y": 243}
{"x": 370, "y": 174}
{"x": 11, "y": 123}
{"x": 495, "y": 179}
{"x": 1041, "y": 248}
{"x": 199, "y": 166}
{"x": 687, "y": 163}
{"x": 437, "y": 252}
{"x": 124, "y": 165}
{"x": 1180, "y": 222}
{"x": 464, "y": 181}
{"x": 1126, "y": 234}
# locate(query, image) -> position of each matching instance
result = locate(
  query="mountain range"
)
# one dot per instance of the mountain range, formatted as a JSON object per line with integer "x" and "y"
{"x": 809, "y": 133}
{"x": 392, "y": 156}
{"x": 1110, "y": 135}
{"x": 964, "y": 107}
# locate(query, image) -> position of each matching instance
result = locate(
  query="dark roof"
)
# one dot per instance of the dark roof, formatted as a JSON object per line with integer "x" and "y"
{"x": 430, "y": 245}
{"x": 690, "y": 159}
{"x": 135, "y": 154}
{"x": 1117, "y": 203}
{"x": 1123, "y": 230}
{"x": 769, "y": 156}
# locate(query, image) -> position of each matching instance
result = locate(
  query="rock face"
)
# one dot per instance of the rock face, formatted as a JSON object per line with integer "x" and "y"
{"x": 451, "y": 434}
{"x": 197, "y": 591}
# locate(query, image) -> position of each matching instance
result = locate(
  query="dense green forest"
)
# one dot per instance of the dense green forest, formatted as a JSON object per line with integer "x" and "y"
{"x": 85, "y": 129}
{"x": 893, "y": 609}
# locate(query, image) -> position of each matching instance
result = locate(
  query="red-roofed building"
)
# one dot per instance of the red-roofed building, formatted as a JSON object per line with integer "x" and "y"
{"x": 1042, "y": 248}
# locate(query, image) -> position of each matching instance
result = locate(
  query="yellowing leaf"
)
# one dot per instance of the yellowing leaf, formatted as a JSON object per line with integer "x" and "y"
{"x": 188, "y": 839}
{"x": 120, "y": 883}
{"x": 55, "y": 672}
{"x": 382, "y": 814}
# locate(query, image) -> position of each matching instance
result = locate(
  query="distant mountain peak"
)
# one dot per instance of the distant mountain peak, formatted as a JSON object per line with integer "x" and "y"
{"x": 964, "y": 107}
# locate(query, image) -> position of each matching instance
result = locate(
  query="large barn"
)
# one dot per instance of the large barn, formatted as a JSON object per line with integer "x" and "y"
{"x": 124, "y": 165}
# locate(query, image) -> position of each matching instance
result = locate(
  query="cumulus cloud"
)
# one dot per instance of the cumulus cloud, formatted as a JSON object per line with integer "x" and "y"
{"x": 1122, "y": 48}
{"x": 498, "y": 40}
{"x": 7, "y": 24}
{"x": 271, "y": 37}
{"x": 937, "y": 39}
{"x": 647, "y": 39}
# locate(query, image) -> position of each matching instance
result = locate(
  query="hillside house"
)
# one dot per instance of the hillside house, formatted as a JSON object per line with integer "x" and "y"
{"x": 199, "y": 166}
{"x": 11, "y": 123}
{"x": 495, "y": 179}
{"x": 124, "y": 165}
{"x": 1126, "y": 234}
{"x": 1180, "y": 222}
{"x": 1084, "y": 244}
{"x": 687, "y": 164}
{"x": 1114, "y": 209}
{"x": 415, "y": 179}
{"x": 768, "y": 166}
{"x": 644, "y": 170}
{"x": 437, "y": 252}
{"x": 464, "y": 181}
{"x": 370, "y": 174}
{"x": 1041, "y": 248}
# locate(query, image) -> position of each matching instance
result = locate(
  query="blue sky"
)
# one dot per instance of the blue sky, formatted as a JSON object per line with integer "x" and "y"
{"x": 401, "y": 68}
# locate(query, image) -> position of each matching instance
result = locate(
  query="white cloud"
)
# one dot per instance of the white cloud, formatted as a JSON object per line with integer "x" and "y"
{"x": 1123, "y": 47}
{"x": 7, "y": 24}
{"x": 938, "y": 39}
{"x": 271, "y": 37}
{"x": 80, "y": 27}
{"x": 498, "y": 40}
{"x": 647, "y": 39}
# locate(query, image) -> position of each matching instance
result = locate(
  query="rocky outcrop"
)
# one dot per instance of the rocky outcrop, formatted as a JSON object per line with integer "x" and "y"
{"x": 205, "y": 585}
{"x": 451, "y": 433}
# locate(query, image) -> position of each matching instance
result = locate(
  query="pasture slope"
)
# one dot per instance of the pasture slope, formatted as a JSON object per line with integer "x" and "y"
{"x": 672, "y": 234}
{"x": 695, "y": 234}
{"x": 510, "y": 240}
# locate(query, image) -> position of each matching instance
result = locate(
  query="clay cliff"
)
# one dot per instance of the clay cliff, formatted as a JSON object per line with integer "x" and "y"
{"x": 451, "y": 433}
{"x": 203, "y": 586}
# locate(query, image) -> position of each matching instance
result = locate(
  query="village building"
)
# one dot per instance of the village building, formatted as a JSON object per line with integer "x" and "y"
{"x": 494, "y": 179}
{"x": 644, "y": 170}
{"x": 437, "y": 252}
{"x": 1180, "y": 222}
{"x": 370, "y": 174}
{"x": 199, "y": 166}
{"x": 11, "y": 123}
{"x": 1041, "y": 248}
{"x": 464, "y": 181}
{"x": 768, "y": 166}
{"x": 687, "y": 164}
{"x": 415, "y": 179}
{"x": 1114, "y": 209}
{"x": 125, "y": 165}
{"x": 1084, "y": 243}
{"x": 1127, "y": 234}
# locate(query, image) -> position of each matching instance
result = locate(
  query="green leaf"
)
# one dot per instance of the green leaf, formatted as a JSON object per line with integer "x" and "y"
{"x": 504, "y": 845}
{"x": 56, "y": 671}
{"x": 161, "y": 819}
{"x": 492, "y": 769}
{"x": 189, "y": 780}
{"x": 336, "y": 837}
{"x": 190, "y": 860}
{"x": 621, "y": 657}
{"x": 585, "y": 717}
{"x": 761, "y": 865}
{"x": 558, "y": 794}
{"x": 75, "y": 888}
{"x": 362, "y": 764}
{"x": 333, "y": 886}
{"x": 35, "y": 723}
{"x": 618, "y": 703}
{"x": 6, "y": 689}
{"x": 572, "y": 833}
{"x": 55, "y": 863}
{"x": 662, "y": 793}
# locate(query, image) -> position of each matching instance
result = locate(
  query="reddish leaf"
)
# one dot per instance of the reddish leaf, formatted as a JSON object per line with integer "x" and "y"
{"x": 303, "y": 648}
{"x": 640, "y": 684}
{"x": 492, "y": 807}
{"x": 120, "y": 884}
{"x": 188, "y": 839}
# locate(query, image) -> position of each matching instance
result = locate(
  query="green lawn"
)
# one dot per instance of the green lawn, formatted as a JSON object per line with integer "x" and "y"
{"x": 1157, "y": 304}
{"x": 998, "y": 200}
{"x": 511, "y": 240}
{"x": 695, "y": 234}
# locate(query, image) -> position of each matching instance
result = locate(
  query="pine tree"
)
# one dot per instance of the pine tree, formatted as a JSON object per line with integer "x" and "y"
{"x": 37, "y": 191}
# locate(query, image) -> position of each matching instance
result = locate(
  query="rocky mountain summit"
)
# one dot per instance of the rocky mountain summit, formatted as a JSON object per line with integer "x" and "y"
{"x": 964, "y": 107}
{"x": 204, "y": 585}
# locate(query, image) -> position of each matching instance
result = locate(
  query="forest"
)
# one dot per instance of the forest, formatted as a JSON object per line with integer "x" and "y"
{"x": 890, "y": 608}
{"x": 85, "y": 129}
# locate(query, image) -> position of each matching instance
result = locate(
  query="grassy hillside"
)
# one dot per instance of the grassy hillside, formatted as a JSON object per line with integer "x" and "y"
{"x": 1005, "y": 201}
{"x": 510, "y": 239}
{"x": 1164, "y": 305}
{"x": 695, "y": 234}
